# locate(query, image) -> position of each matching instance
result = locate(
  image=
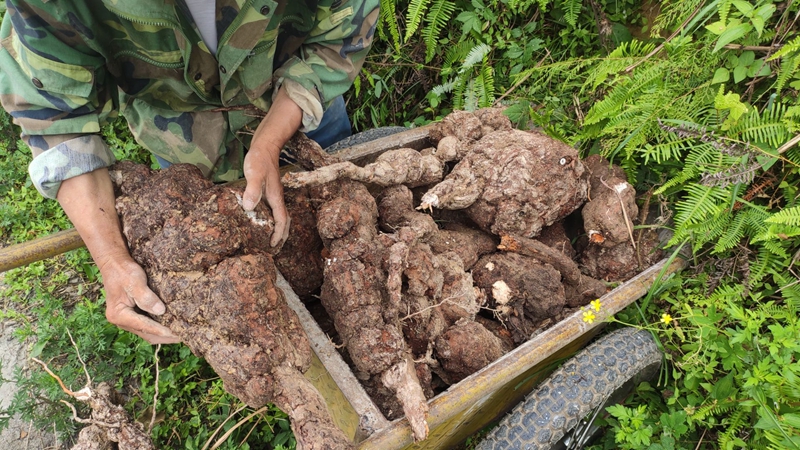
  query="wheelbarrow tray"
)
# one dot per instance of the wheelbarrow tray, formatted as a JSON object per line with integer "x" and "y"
{"x": 473, "y": 403}
{"x": 465, "y": 407}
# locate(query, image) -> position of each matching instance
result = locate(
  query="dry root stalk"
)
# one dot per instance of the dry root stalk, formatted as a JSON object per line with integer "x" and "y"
{"x": 109, "y": 426}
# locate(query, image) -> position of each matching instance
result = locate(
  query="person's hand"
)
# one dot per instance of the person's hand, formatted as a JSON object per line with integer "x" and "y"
{"x": 126, "y": 287}
{"x": 261, "y": 170}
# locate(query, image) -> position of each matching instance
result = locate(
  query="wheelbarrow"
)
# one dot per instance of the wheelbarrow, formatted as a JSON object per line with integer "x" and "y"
{"x": 480, "y": 399}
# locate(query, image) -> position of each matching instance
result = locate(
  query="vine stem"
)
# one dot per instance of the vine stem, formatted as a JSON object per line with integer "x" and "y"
{"x": 155, "y": 394}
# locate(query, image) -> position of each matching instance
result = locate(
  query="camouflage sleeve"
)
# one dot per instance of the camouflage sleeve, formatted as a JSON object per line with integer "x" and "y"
{"x": 49, "y": 84}
{"x": 330, "y": 58}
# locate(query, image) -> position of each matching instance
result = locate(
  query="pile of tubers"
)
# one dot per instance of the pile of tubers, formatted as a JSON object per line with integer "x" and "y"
{"x": 431, "y": 264}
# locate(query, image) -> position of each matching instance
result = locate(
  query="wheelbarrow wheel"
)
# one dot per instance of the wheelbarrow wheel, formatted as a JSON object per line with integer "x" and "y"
{"x": 560, "y": 412}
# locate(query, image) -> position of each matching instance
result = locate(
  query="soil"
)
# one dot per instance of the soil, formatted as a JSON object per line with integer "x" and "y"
{"x": 19, "y": 434}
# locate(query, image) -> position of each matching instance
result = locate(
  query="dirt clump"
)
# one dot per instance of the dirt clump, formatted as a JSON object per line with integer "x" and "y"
{"x": 513, "y": 182}
{"x": 614, "y": 251}
{"x": 212, "y": 265}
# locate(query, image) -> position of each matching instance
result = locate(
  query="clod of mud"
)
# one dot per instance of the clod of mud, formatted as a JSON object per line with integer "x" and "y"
{"x": 211, "y": 263}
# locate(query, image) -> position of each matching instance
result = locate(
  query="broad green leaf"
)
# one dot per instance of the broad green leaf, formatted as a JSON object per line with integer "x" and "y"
{"x": 744, "y": 7}
{"x": 716, "y": 27}
{"x": 731, "y": 34}
{"x": 758, "y": 23}
{"x": 759, "y": 69}
{"x": 765, "y": 12}
{"x": 747, "y": 58}
{"x": 739, "y": 73}
{"x": 722, "y": 75}
{"x": 732, "y": 102}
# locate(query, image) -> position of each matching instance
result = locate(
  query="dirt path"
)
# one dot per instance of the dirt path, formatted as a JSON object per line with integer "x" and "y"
{"x": 19, "y": 435}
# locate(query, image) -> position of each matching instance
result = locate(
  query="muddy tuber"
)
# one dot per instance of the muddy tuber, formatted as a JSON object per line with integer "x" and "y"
{"x": 211, "y": 264}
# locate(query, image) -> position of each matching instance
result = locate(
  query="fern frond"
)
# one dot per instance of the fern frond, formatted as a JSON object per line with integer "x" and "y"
{"x": 475, "y": 55}
{"x": 436, "y": 19}
{"x": 700, "y": 203}
{"x": 790, "y": 48}
{"x": 767, "y": 126}
{"x": 767, "y": 261}
{"x": 619, "y": 96}
{"x": 388, "y": 22}
{"x": 414, "y": 16}
{"x": 724, "y": 10}
{"x": 788, "y": 216}
{"x": 733, "y": 234}
{"x": 485, "y": 82}
{"x": 572, "y": 9}
{"x": 736, "y": 421}
{"x": 456, "y": 53}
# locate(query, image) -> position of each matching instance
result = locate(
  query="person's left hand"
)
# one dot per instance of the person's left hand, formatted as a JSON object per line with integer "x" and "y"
{"x": 261, "y": 170}
{"x": 261, "y": 167}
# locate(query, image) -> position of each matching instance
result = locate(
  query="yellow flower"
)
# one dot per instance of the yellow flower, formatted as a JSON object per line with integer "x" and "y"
{"x": 588, "y": 316}
{"x": 596, "y": 304}
{"x": 666, "y": 318}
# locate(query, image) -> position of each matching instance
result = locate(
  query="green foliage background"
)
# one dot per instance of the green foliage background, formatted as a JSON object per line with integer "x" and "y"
{"x": 698, "y": 102}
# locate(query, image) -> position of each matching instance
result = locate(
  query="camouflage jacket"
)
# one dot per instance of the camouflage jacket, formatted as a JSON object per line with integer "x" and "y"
{"x": 68, "y": 66}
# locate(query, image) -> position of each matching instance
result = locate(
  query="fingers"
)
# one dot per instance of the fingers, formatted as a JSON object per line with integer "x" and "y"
{"x": 252, "y": 193}
{"x": 126, "y": 287}
{"x": 138, "y": 291}
{"x": 274, "y": 195}
{"x": 148, "y": 329}
{"x": 263, "y": 179}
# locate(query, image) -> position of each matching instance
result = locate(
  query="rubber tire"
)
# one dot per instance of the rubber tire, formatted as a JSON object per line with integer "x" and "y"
{"x": 364, "y": 136}
{"x": 574, "y": 390}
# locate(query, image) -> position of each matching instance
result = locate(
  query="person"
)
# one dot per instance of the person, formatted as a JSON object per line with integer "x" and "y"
{"x": 187, "y": 75}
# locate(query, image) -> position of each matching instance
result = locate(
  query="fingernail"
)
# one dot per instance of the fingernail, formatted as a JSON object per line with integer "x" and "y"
{"x": 248, "y": 204}
{"x": 159, "y": 309}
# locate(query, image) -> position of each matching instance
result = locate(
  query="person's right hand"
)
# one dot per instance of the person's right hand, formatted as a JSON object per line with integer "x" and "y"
{"x": 126, "y": 287}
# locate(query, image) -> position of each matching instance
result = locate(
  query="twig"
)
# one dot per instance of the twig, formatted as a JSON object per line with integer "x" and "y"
{"x": 56, "y": 377}
{"x": 86, "y": 371}
{"x": 247, "y": 436}
{"x": 205, "y": 447}
{"x": 521, "y": 80}
{"x": 155, "y": 394}
{"x": 228, "y": 433}
{"x": 701, "y": 439}
{"x": 89, "y": 421}
{"x": 447, "y": 300}
{"x": 624, "y": 212}
{"x": 792, "y": 142}
{"x": 28, "y": 436}
{"x": 755, "y": 48}
{"x": 630, "y": 68}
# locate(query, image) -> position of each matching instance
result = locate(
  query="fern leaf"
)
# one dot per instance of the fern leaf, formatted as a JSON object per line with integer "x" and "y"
{"x": 724, "y": 10}
{"x": 475, "y": 56}
{"x": 416, "y": 12}
{"x": 388, "y": 20}
{"x": 486, "y": 78}
{"x": 438, "y": 16}
{"x": 572, "y": 9}
{"x": 701, "y": 202}
{"x": 788, "y": 216}
{"x": 734, "y": 233}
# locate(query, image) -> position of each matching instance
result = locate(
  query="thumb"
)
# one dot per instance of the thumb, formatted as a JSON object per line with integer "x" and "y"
{"x": 146, "y": 299}
{"x": 252, "y": 195}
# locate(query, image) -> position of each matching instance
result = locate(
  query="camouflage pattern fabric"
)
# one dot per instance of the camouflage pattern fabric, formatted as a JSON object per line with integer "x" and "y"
{"x": 67, "y": 67}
